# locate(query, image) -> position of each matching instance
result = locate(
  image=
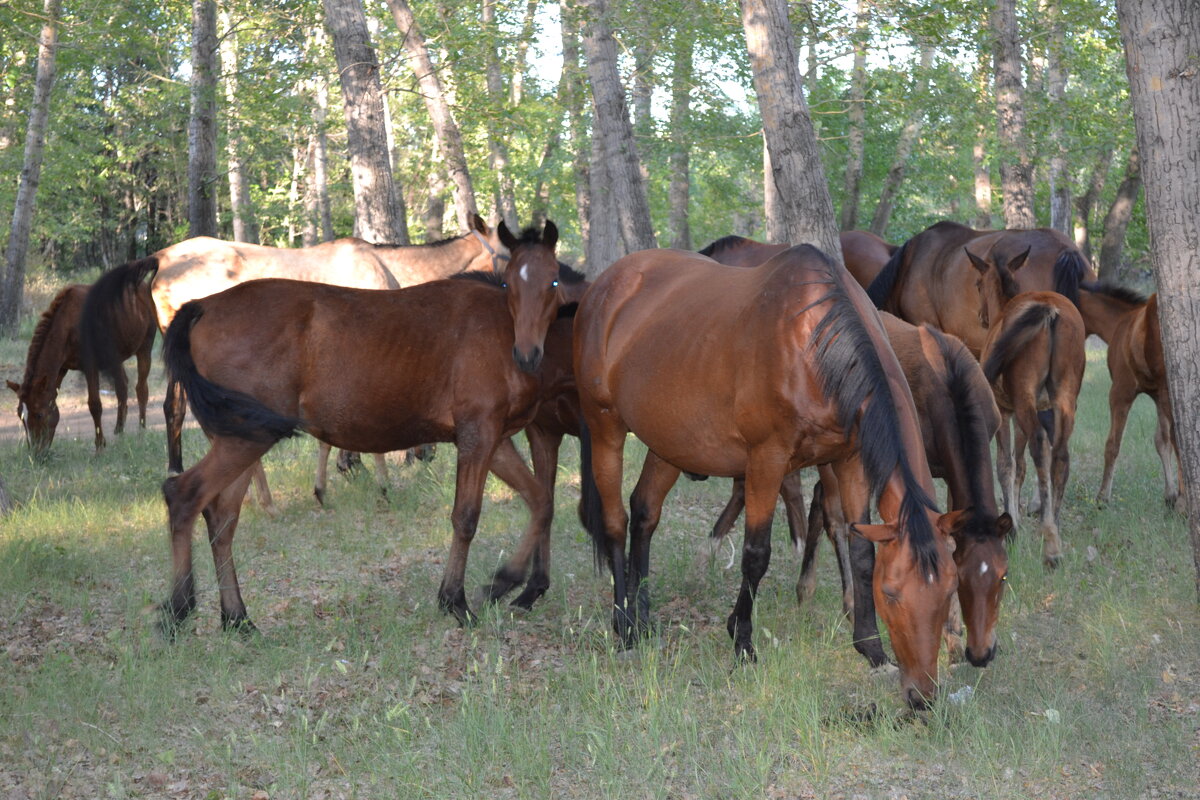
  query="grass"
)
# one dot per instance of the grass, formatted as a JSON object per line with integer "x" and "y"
{"x": 359, "y": 687}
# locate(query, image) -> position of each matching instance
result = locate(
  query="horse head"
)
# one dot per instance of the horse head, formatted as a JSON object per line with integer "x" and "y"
{"x": 37, "y": 407}
{"x": 531, "y": 283}
{"x": 982, "y": 560}
{"x": 995, "y": 283}
{"x": 493, "y": 253}
{"x": 912, "y": 595}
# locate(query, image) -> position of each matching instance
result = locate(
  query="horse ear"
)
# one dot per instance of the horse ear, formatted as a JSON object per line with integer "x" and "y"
{"x": 1004, "y": 525}
{"x": 875, "y": 533}
{"x": 1017, "y": 261}
{"x": 550, "y": 234}
{"x": 16, "y": 387}
{"x": 506, "y": 237}
{"x": 952, "y": 523}
{"x": 977, "y": 262}
{"x": 477, "y": 224}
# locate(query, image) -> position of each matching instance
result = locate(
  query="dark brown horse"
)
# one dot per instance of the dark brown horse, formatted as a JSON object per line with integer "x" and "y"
{"x": 864, "y": 253}
{"x": 1128, "y": 322}
{"x": 1034, "y": 359}
{"x": 448, "y": 361}
{"x": 802, "y": 375}
{"x": 55, "y": 348}
{"x": 930, "y": 279}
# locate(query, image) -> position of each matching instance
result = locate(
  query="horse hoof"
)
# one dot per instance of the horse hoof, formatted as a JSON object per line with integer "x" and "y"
{"x": 1052, "y": 561}
{"x": 320, "y": 495}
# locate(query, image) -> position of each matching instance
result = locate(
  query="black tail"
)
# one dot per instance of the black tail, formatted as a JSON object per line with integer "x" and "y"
{"x": 98, "y": 323}
{"x": 220, "y": 411}
{"x": 1069, "y": 271}
{"x": 1028, "y": 324}
{"x": 880, "y": 290}
{"x": 591, "y": 512}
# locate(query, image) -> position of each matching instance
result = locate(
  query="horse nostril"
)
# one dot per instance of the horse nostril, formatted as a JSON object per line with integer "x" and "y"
{"x": 984, "y": 660}
{"x": 916, "y": 700}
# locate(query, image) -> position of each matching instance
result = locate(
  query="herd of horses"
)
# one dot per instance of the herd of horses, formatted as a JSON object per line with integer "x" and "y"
{"x": 745, "y": 360}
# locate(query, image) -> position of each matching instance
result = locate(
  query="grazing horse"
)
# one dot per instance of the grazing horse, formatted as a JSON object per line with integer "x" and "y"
{"x": 202, "y": 266}
{"x": 449, "y": 361}
{"x": 930, "y": 279}
{"x": 783, "y": 366}
{"x": 865, "y": 253}
{"x": 1034, "y": 359}
{"x": 1128, "y": 322}
{"x": 54, "y": 349}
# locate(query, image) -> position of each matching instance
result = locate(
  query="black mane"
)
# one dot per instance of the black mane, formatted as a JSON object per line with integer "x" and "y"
{"x": 1117, "y": 292}
{"x": 490, "y": 277}
{"x": 880, "y": 290}
{"x": 724, "y": 243}
{"x": 568, "y": 274}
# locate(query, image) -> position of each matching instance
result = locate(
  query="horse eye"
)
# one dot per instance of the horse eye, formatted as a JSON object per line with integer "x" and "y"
{"x": 503, "y": 284}
{"x": 554, "y": 283}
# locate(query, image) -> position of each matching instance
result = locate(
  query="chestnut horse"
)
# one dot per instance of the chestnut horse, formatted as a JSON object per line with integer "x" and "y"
{"x": 202, "y": 266}
{"x": 449, "y": 361}
{"x": 864, "y": 253}
{"x": 930, "y": 279}
{"x": 1128, "y": 322}
{"x": 1034, "y": 359}
{"x": 803, "y": 375}
{"x": 54, "y": 349}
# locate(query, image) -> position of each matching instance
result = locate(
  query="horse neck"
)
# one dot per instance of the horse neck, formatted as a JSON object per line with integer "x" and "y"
{"x": 421, "y": 263}
{"x": 1102, "y": 313}
{"x": 49, "y": 351}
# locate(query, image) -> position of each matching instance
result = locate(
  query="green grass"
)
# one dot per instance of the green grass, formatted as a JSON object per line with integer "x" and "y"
{"x": 359, "y": 687}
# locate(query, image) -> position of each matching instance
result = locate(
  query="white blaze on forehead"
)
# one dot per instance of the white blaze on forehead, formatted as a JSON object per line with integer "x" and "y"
{"x": 524, "y": 273}
{"x": 983, "y": 568}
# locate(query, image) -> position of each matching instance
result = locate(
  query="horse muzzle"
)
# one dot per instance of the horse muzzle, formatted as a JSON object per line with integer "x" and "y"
{"x": 983, "y": 660}
{"x": 528, "y": 362}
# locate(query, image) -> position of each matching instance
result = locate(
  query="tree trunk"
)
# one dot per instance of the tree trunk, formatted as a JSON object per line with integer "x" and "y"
{"x": 506, "y": 203}
{"x": 1116, "y": 221}
{"x": 1016, "y": 170}
{"x": 904, "y": 145}
{"x": 605, "y": 243}
{"x": 614, "y": 133}
{"x": 979, "y": 159}
{"x": 857, "y": 119}
{"x": 577, "y": 124}
{"x": 13, "y": 290}
{"x": 321, "y": 153}
{"x": 772, "y": 208}
{"x": 1162, "y": 38}
{"x": 202, "y": 129}
{"x": 517, "y": 87}
{"x": 813, "y": 35}
{"x": 439, "y": 111}
{"x": 309, "y": 232}
{"x": 244, "y": 227}
{"x": 1087, "y": 201}
{"x": 435, "y": 204}
{"x": 299, "y": 154}
{"x": 681, "y": 139}
{"x": 541, "y": 186}
{"x": 1056, "y": 79}
{"x": 795, "y": 161}
{"x": 377, "y": 212}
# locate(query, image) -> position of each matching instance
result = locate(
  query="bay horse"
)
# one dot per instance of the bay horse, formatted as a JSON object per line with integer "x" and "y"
{"x": 447, "y": 361}
{"x": 864, "y": 253}
{"x": 55, "y": 348}
{"x": 202, "y": 266}
{"x": 1034, "y": 359}
{"x": 930, "y": 278}
{"x": 784, "y": 365}
{"x": 1128, "y": 321}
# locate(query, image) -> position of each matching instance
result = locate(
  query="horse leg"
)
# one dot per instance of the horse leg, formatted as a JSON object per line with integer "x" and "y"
{"x": 221, "y": 517}
{"x": 262, "y": 490}
{"x": 608, "y": 455}
{"x": 121, "y": 386}
{"x": 791, "y": 492}
{"x": 174, "y": 408}
{"x": 763, "y": 480}
{"x": 806, "y": 583}
{"x": 855, "y": 495}
{"x": 95, "y": 407}
{"x": 381, "y": 474}
{"x": 186, "y": 496}
{"x": 543, "y": 449}
{"x": 728, "y": 516}
{"x": 1040, "y": 449}
{"x": 1164, "y": 443}
{"x": 145, "y": 359}
{"x": 1004, "y": 467}
{"x": 1120, "y": 398}
{"x": 321, "y": 479}
{"x": 645, "y": 510}
{"x": 476, "y": 446}
{"x": 509, "y": 467}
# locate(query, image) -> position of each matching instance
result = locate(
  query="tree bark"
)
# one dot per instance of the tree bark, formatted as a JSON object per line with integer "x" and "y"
{"x": 321, "y": 144}
{"x": 1016, "y": 170}
{"x": 244, "y": 227}
{"x": 681, "y": 139}
{"x": 614, "y": 134}
{"x": 15, "y": 252}
{"x": 772, "y": 208}
{"x": 439, "y": 111}
{"x": 377, "y": 213}
{"x": 1087, "y": 201}
{"x": 979, "y": 159}
{"x": 904, "y": 145}
{"x": 435, "y": 204}
{"x": 1056, "y": 88}
{"x": 1162, "y": 40}
{"x": 517, "y": 87}
{"x": 541, "y": 186}
{"x": 577, "y": 124}
{"x": 1116, "y": 221}
{"x": 795, "y": 161}
{"x": 202, "y": 128}
{"x": 505, "y": 199}
{"x": 856, "y": 135}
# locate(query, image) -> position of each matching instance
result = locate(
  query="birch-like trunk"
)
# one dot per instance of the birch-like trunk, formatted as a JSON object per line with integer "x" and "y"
{"x": 517, "y": 86}
{"x": 1016, "y": 170}
{"x": 904, "y": 145}
{"x": 581, "y": 146}
{"x": 1116, "y": 221}
{"x": 202, "y": 127}
{"x": 856, "y": 135}
{"x": 681, "y": 140}
{"x": 506, "y": 203}
{"x": 244, "y": 227}
{"x": 1087, "y": 201}
{"x": 1056, "y": 88}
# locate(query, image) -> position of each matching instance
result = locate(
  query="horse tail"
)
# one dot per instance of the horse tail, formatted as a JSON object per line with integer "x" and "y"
{"x": 1028, "y": 323}
{"x": 591, "y": 511}
{"x": 220, "y": 411}
{"x": 1048, "y": 418}
{"x": 99, "y": 321}
{"x": 880, "y": 290}
{"x": 1069, "y": 272}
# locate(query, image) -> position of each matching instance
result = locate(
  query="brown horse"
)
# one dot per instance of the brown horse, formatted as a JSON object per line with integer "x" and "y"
{"x": 54, "y": 349}
{"x": 1034, "y": 359}
{"x": 443, "y": 361}
{"x": 802, "y": 375}
{"x": 864, "y": 253}
{"x": 930, "y": 279}
{"x": 202, "y": 266}
{"x": 1128, "y": 322}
